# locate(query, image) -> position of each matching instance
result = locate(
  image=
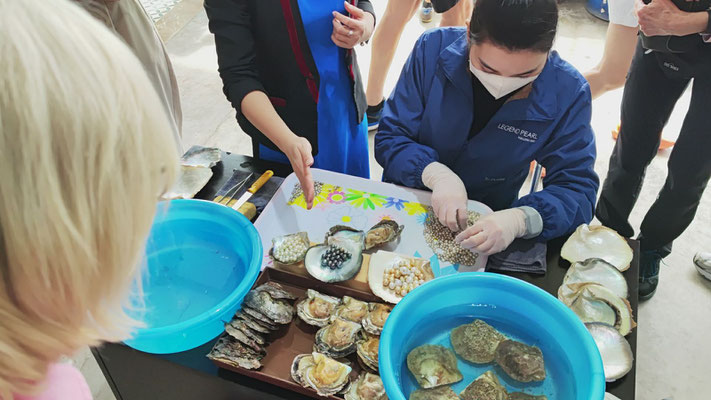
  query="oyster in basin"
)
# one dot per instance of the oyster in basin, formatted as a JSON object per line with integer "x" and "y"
{"x": 433, "y": 365}
{"x": 524, "y": 396}
{"x": 438, "y": 393}
{"x": 476, "y": 342}
{"x": 485, "y": 387}
{"x": 521, "y": 362}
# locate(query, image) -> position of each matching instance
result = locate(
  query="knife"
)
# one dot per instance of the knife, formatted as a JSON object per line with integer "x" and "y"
{"x": 253, "y": 189}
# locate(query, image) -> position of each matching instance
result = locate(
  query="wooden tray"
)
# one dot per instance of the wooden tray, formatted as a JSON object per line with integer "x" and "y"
{"x": 297, "y": 337}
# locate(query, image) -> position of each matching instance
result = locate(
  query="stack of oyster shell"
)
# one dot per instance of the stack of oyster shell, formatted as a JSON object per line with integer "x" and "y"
{"x": 435, "y": 367}
{"x": 265, "y": 309}
{"x": 596, "y": 290}
{"x": 346, "y": 326}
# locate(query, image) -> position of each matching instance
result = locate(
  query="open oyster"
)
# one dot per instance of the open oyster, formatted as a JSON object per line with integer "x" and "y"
{"x": 229, "y": 351}
{"x": 367, "y": 387}
{"x": 367, "y": 349}
{"x": 391, "y": 276}
{"x": 290, "y": 249}
{"x": 595, "y": 303}
{"x": 438, "y": 393}
{"x": 524, "y": 396}
{"x": 337, "y": 260}
{"x": 374, "y": 321}
{"x": 321, "y": 373}
{"x": 476, "y": 342}
{"x": 593, "y": 270}
{"x": 278, "y": 311}
{"x": 485, "y": 387}
{"x": 338, "y": 339}
{"x": 351, "y": 310}
{"x": 316, "y": 309}
{"x": 617, "y": 357}
{"x": 598, "y": 242}
{"x": 433, "y": 365}
{"x": 383, "y": 232}
{"x": 521, "y": 362}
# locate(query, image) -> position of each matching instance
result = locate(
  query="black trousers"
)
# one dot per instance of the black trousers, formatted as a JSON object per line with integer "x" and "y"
{"x": 654, "y": 84}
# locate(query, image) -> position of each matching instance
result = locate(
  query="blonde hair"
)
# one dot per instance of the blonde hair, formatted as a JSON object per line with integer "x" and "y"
{"x": 85, "y": 151}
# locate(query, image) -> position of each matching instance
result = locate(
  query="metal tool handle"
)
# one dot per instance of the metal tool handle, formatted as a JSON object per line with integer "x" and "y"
{"x": 261, "y": 181}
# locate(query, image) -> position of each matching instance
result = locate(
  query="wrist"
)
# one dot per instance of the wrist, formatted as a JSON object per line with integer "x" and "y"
{"x": 532, "y": 221}
{"x": 691, "y": 23}
{"x": 285, "y": 139}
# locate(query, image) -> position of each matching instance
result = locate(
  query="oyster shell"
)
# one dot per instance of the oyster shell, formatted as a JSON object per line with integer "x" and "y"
{"x": 374, "y": 321}
{"x": 595, "y": 303}
{"x": 337, "y": 260}
{"x": 276, "y": 291}
{"x": 189, "y": 182}
{"x": 198, "y": 156}
{"x": 290, "y": 249}
{"x": 252, "y": 323}
{"x": 244, "y": 330}
{"x": 485, "y": 387}
{"x": 278, "y": 311}
{"x": 229, "y": 351}
{"x": 593, "y": 270}
{"x": 316, "y": 309}
{"x": 433, "y": 365}
{"x": 383, "y": 232}
{"x": 416, "y": 271}
{"x": 244, "y": 338}
{"x": 367, "y": 349}
{"x": 524, "y": 396}
{"x": 617, "y": 357}
{"x": 476, "y": 342}
{"x": 321, "y": 373}
{"x": 521, "y": 362}
{"x": 439, "y": 393}
{"x": 261, "y": 318}
{"x": 351, "y": 309}
{"x": 598, "y": 242}
{"x": 367, "y": 387}
{"x": 337, "y": 339}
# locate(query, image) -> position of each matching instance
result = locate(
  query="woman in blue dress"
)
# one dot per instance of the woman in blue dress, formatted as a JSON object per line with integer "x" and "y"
{"x": 289, "y": 69}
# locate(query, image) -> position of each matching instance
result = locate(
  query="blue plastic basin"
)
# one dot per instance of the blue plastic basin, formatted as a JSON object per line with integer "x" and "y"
{"x": 518, "y": 309}
{"x": 202, "y": 258}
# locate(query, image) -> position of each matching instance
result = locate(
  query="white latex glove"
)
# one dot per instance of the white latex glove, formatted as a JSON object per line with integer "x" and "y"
{"x": 449, "y": 196}
{"x": 494, "y": 233}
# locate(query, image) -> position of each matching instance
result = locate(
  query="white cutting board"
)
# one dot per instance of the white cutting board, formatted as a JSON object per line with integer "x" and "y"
{"x": 365, "y": 203}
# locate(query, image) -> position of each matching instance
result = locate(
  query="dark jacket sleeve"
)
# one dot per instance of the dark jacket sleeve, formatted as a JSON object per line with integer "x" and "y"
{"x": 570, "y": 186}
{"x": 231, "y": 23}
{"x": 397, "y": 146}
{"x": 367, "y": 6}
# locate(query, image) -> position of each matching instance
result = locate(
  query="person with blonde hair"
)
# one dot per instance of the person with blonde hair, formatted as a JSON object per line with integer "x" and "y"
{"x": 85, "y": 152}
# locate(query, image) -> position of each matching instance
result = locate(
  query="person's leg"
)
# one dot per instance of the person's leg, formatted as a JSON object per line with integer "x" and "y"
{"x": 648, "y": 100}
{"x": 385, "y": 40}
{"x": 611, "y": 72}
{"x": 458, "y": 15}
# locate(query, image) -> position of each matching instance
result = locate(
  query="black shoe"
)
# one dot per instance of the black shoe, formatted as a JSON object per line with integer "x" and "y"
{"x": 374, "y": 113}
{"x": 649, "y": 273}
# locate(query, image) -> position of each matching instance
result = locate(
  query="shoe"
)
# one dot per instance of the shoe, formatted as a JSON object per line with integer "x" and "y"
{"x": 373, "y": 113}
{"x": 703, "y": 264}
{"x": 648, "y": 273}
{"x": 426, "y": 12}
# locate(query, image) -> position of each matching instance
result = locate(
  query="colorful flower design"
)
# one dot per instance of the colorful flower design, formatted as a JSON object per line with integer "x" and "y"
{"x": 422, "y": 219}
{"x": 322, "y": 193}
{"x": 337, "y": 197}
{"x": 349, "y": 216}
{"x": 384, "y": 216}
{"x": 397, "y": 203}
{"x": 365, "y": 200}
{"x": 415, "y": 209}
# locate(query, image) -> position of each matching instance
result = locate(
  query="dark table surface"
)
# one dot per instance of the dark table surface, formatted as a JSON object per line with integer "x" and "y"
{"x": 134, "y": 375}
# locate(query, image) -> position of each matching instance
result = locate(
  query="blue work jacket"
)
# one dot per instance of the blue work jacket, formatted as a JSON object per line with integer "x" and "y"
{"x": 429, "y": 115}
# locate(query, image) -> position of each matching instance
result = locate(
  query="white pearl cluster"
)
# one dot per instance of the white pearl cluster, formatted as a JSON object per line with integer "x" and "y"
{"x": 290, "y": 251}
{"x": 403, "y": 277}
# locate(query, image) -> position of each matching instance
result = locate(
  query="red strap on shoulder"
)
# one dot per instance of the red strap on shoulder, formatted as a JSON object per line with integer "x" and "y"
{"x": 296, "y": 48}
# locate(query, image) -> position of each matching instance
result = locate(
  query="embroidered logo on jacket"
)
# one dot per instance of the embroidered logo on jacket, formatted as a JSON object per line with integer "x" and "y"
{"x": 521, "y": 134}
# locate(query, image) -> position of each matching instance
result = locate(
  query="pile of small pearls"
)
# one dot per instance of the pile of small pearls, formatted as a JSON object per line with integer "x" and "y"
{"x": 441, "y": 240}
{"x": 318, "y": 186}
{"x": 403, "y": 277}
{"x": 291, "y": 250}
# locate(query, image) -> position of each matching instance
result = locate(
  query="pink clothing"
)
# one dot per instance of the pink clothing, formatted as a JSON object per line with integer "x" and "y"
{"x": 64, "y": 382}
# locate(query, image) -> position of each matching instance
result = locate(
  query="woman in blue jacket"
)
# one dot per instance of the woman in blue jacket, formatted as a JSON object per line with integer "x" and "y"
{"x": 473, "y": 108}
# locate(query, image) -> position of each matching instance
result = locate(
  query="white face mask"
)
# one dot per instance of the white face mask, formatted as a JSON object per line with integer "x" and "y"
{"x": 499, "y": 86}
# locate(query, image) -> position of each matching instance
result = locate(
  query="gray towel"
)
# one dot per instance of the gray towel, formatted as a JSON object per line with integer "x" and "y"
{"x": 527, "y": 256}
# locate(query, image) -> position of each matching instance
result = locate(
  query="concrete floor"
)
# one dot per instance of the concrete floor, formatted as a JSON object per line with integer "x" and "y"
{"x": 674, "y": 354}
